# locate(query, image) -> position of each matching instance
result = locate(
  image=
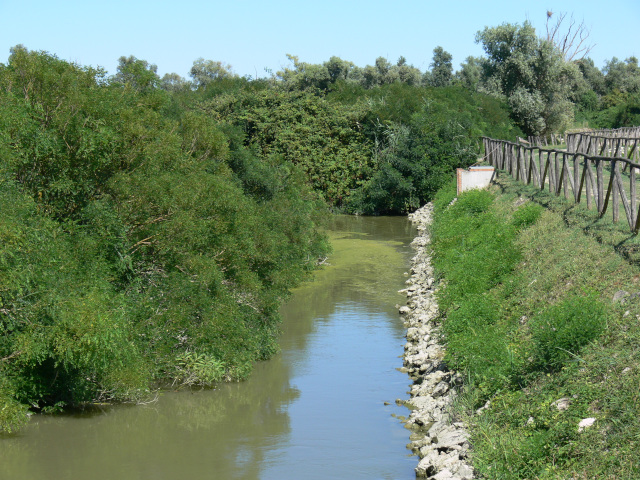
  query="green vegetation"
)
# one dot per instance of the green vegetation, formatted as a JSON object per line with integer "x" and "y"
{"x": 547, "y": 81}
{"x": 135, "y": 248}
{"x": 152, "y": 227}
{"x": 549, "y": 86}
{"x": 419, "y": 137}
{"x": 529, "y": 317}
{"x": 609, "y": 98}
{"x": 531, "y": 74}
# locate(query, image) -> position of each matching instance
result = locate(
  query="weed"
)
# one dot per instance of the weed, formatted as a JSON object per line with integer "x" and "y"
{"x": 560, "y": 331}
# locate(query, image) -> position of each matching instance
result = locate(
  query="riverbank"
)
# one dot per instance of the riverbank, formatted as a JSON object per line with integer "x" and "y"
{"x": 440, "y": 442}
{"x": 540, "y": 312}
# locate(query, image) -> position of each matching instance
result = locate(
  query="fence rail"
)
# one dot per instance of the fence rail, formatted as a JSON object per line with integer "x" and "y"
{"x": 614, "y": 132}
{"x": 602, "y": 145}
{"x": 574, "y": 138}
{"x": 602, "y": 180}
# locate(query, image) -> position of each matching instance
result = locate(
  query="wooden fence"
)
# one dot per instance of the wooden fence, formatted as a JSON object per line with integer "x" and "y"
{"x": 602, "y": 144}
{"x": 614, "y": 132}
{"x": 575, "y": 140}
{"x": 591, "y": 175}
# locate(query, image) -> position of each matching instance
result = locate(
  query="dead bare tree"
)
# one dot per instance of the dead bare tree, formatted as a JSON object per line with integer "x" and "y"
{"x": 568, "y": 36}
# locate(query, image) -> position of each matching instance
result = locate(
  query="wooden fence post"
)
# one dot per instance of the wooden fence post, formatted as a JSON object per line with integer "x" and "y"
{"x": 615, "y": 191}
{"x": 632, "y": 194}
{"x": 588, "y": 180}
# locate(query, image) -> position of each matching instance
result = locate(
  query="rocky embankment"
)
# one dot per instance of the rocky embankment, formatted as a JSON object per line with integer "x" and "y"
{"x": 440, "y": 441}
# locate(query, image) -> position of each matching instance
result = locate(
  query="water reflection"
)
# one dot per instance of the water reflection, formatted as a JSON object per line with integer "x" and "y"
{"x": 314, "y": 411}
{"x": 206, "y": 434}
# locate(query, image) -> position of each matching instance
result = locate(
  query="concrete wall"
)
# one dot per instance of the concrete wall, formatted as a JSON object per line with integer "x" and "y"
{"x": 475, "y": 177}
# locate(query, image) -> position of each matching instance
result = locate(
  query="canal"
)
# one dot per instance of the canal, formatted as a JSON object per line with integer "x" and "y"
{"x": 323, "y": 408}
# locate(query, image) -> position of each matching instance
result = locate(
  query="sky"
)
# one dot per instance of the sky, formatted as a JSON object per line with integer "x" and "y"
{"x": 254, "y": 37}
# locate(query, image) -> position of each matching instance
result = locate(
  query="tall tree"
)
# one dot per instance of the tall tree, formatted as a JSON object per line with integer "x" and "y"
{"x": 338, "y": 69}
{"x": 532, "y": 76}
{"x": 204, "y": 71}
{"x": 173, "y": 82}
{"x": 139, "y": 74}
{"x": 470, "y": 73}
{"x": 592, "y": 75}
{"x": 305, "y": 75}
{"x": 622, "y": 76}
{"x": 407, "y": 73}
{"x": 441, "y": 68}
{"x": 568, "y": 36}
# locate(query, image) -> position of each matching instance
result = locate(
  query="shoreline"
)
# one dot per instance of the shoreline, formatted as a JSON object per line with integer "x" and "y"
{"x": 440, "y": 442}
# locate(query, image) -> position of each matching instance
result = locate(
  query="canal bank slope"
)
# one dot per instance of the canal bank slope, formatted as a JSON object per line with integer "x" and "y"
{"x": 440, "y": 441}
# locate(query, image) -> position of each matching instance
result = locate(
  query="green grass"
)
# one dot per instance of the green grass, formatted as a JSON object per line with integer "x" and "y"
{"x": 528, "y": 315}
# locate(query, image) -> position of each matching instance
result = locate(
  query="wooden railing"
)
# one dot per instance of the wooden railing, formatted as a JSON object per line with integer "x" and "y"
{"x": 614, "y": 132}
{"x": 576, "y": 174}
{"x": 577, "y": 139}
{"x": 605, "y": 145}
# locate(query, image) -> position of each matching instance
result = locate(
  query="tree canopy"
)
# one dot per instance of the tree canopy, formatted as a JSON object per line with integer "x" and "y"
{"x": 531, "y": 74}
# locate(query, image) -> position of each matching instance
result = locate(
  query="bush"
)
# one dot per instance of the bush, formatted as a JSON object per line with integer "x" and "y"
{"x": 13, "y": 414}
{"x": 526, "y": 215}
{"x": 130, "y": 240}
{"x": 197, "y": 369}
{"x": 473, "y": 202}
{"x": 563, "y": 329}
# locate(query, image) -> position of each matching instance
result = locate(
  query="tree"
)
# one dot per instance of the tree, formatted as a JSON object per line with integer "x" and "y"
{"x": 172, "y": 82}
{"x": 441, "y": 68}
{"x": 338, "y": 69}
{"x": 571, "y": 43}
{"x": 407, "y": 73}
{"x": 305, "y": 75}
{"x": 370, "y": 77}
{"x": 386, "y": 72}
{"x": 139, "y": 74}
{"x": 531, "y": 74}
{"x": 470, "y": 73}
{"x": 382, "y": 73}
{"x": 592, "y": 75}
{"x": 622, "y": 76}
{"x": 204, "y": 71}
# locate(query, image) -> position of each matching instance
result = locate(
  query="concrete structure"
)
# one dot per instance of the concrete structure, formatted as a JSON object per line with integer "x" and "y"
{"x": 475, "y": 177}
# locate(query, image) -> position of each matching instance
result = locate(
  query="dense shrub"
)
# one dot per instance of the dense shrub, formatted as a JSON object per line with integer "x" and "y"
{"x": 135, "y": 247}
{"x": 526, "y": 215}
{"x": 420, "y": 136}
{"x": 559, "y": 332}
{"x": 322, "y": 138}
{"x": 379, "y": 151}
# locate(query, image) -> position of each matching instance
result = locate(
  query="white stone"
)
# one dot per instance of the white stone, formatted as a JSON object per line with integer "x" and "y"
{"x": 445, "y": 445}
{"x": 585, "y": 423}
{"x": 562, "y": 404}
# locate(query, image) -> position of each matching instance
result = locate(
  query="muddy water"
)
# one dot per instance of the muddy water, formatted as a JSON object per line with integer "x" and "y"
{"x": 315, "y": 411}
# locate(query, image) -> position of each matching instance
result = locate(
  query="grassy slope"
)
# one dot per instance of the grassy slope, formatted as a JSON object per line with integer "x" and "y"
{"x": 566, "y": 264}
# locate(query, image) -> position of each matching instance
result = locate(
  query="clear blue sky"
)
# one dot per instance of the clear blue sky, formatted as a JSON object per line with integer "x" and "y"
{"x": 254, "y": 35}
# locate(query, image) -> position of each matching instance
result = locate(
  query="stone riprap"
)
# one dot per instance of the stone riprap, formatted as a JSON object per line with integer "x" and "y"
{"x": 440, "y": 441}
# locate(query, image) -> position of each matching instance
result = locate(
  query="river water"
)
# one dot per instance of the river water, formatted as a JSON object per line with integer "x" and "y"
{"x": 315, "y": 411}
